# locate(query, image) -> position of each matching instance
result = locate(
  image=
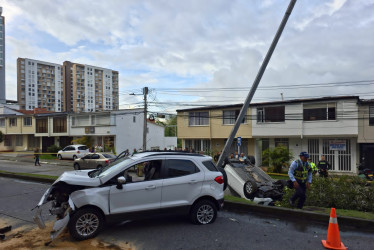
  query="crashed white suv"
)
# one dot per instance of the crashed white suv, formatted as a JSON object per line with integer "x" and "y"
{"x": 149, "y": 182}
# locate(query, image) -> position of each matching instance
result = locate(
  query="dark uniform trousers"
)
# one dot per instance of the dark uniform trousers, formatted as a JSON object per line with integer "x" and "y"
{"x": 300, "y": 193}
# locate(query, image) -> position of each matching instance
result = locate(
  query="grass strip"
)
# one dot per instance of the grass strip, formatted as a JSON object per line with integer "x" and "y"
{"x": 31, "y": 175}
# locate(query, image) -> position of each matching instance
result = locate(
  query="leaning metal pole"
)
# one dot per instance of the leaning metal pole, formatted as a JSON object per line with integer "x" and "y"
{"x": 251, "y": 93}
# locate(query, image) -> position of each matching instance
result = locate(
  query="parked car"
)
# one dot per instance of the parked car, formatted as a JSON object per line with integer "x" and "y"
{"x": 73, "y": 152}
{"x": 93, "y": 160}
{"x": 170, "y": 182}
{"x": 249, "y": 181}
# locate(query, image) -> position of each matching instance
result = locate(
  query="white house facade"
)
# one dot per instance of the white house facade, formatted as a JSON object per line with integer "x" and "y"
{"x": 323, "y": 126}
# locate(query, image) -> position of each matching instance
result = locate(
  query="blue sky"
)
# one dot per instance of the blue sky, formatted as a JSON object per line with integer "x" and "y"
{"x": 215, "y": 45}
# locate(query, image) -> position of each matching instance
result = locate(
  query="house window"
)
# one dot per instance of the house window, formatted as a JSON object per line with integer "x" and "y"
{"x": 134, "y": 119}
{"x": 270, "y": 114}
{"x": 281, "y": 142}
{"x": 73, "y": 121}
{"x": 12, "y": 122}
{"x": 19, "y": 140}
{"x": 7, "y": 140}
{"x": 93, "y": 120}
{"x": 59, "y": 125}
{"x": 42, "y": 125}
{"x": 319, "y": 112}
{"x": 198, "y": 118}
{"x": 2, "y": 122}
{"x": 27, "y": 121}
{"x": 371, "y": 116}
{"x": 230, "y": 116}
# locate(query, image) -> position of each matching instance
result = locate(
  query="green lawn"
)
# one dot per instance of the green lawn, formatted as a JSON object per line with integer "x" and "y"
{"x": 47, "y": 157}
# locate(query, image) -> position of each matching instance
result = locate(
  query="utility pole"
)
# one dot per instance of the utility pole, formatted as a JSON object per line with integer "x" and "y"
{"x": 145, "y": 93}
{"x": 257, "y": 80}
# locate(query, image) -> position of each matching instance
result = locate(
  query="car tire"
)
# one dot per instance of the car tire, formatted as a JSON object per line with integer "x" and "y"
{"x": 99, "y": 167}
{"x": 74, "y": 157}
{"x": 224, "y": 178}
{"x": 86, "y": 223}
{"x": 59, "y": 157}
{"x": 203, "y": 212}
{"x": 250, "y": 189}
{"x": 76, "y": 166}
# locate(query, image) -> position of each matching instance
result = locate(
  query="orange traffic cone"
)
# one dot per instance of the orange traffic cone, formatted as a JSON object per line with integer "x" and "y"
{"x": 333, "y": 236}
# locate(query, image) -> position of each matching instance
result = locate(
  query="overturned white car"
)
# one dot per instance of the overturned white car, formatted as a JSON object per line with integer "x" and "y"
{"x": 250, "y": 182}
{"x": 146, "y": 183}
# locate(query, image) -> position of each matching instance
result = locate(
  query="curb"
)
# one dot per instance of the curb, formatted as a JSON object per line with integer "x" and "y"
{"x": 296, "y": 213}
{"x": 244, "y": 207}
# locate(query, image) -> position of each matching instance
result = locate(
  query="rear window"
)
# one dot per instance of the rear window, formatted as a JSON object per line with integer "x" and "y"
{"x": 178, "y": 168}
{"x": 210, "y": 166}
{"x": 82, "y": 148}
{"x": 108, "y": 156}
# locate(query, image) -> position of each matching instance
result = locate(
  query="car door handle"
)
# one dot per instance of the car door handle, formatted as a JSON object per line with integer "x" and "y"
{"x": 150, "y": 187}
{"x": 192, "y": 181}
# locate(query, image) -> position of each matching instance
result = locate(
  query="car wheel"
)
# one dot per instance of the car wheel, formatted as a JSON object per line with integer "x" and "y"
{"x": 74, "y": 157}
{"x": 99, "y": 167}
{"x": 59, "y": 157}
{"x": 249, "y": 189}
{"x": 85, "y": 223}
{"x": 203, "y": 212}
{"x": 224, "y": 177}
{"x": 76, "y": 166}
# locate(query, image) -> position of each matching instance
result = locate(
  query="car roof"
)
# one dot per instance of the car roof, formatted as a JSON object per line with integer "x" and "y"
{"x": 170, "y": 153}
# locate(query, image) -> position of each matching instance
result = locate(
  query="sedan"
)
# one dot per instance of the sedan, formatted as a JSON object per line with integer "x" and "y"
{"x": 93, "y": 160}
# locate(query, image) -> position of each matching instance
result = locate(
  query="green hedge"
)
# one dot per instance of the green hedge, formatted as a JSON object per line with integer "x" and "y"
{"x": 343, "y": 192}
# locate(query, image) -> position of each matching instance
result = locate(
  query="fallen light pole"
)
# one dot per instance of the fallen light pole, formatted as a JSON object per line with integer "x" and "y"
{"x": 255, "y": 84}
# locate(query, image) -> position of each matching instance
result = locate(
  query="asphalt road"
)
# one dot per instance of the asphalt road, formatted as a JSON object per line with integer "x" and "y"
{"x": 230, "y": 231}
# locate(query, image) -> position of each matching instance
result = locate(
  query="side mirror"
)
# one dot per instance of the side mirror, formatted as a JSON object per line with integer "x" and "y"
{"x": 120, "y": 181}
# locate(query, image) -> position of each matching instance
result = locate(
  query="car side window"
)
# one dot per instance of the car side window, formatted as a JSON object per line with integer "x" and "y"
{"x": 176, "y": 168}
{"x": 69, "y": 149}
{"x": 82, "y": 148}
{"x": 210, "y": 166}
{"x": 95, "y": 157}
{"x": 143, "y": 171}
{"x": 87, "y": 157}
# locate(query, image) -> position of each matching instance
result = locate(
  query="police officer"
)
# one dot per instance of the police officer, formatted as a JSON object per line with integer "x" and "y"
{"x": 300, "y": 174}
{"x": 323, "y": 167}
{"x": 313, "y": 166}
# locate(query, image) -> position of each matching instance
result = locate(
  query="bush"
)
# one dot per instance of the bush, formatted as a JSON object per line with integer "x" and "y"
{"x": 343, "y": 192}
{"x": 1, "y": 137}
{"x": 276, "y": 158}
{"x": 53, "y": 149}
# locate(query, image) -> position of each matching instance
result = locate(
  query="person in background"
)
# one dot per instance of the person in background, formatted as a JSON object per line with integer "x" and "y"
{"x": 232, "y": 156}
{"x": 242, "y": 157}
{"x": 323, "y": 167}
{"x": 236, "y": 156}
{"x": 300, "y": 174}
{"x": 216, "y": 156}
{"x": 36, "y": 156}
{"x": 313, "y": 166}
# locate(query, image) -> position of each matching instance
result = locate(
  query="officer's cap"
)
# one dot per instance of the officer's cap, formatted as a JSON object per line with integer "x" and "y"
{"x": 305, "y": 154}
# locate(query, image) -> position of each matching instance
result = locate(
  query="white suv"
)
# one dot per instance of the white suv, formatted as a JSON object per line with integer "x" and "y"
{"x": 146, "y": 183}
{"x": 73, "y": 152}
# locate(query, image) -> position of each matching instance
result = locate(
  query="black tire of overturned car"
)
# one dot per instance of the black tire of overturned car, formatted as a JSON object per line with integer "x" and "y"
{"x": 224, "y": 178}
{"x": 250, "y": 189}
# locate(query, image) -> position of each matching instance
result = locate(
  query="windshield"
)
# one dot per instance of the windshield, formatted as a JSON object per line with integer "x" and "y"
{"x": 113, "y": 167}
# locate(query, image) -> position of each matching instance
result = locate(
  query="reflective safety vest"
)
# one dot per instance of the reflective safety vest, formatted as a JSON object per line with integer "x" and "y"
{"x": 313, "y": 166}
{"x": 302, "y": 170}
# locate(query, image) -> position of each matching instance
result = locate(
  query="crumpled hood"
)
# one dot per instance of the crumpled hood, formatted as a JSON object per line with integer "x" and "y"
{"x": 78, "y": 177}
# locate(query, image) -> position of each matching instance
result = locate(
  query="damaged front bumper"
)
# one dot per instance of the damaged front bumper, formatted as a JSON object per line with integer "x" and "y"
{"x": 60, "y": 224}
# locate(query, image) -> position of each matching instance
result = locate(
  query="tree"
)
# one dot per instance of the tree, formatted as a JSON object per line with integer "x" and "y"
{"x": 85, "y": 140}
{"x": 1, "y": 137}
{"x": 277, "y": 157}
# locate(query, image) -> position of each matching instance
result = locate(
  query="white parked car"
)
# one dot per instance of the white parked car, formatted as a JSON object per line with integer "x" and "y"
{"x": 146, "y": 183}
{"x": 249, "y": 181}
{"x": 73, "y": 152}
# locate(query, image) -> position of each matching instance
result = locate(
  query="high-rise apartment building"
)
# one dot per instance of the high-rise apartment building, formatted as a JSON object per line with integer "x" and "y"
{"x": 39, "y": 85}
{"x": 71, "y": 87}
{"x": 2, "y": 57}
{"x": 89, "y": 88}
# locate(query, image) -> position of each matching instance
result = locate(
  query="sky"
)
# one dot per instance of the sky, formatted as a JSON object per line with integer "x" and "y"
{"x": 197, "y": 53}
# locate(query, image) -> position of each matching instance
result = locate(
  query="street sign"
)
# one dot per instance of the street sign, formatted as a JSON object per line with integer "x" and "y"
{"x": 239, "y": 141}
